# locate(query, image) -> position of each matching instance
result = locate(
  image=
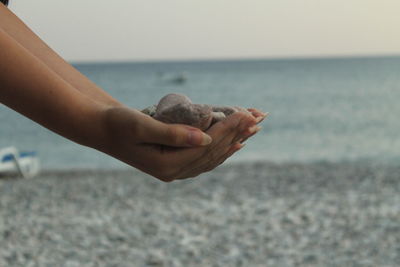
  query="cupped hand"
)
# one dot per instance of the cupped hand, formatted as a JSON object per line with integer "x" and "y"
{"x": 174, "y": 151}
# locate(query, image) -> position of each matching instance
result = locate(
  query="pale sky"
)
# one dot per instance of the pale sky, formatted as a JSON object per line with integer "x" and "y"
{"x": 106, "y": 30}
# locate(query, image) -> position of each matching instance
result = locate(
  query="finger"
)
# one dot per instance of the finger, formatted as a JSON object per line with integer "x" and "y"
{"x": 200, "y": 164}
{"x": 177, "y": 135}
{"x": 263, "y": 117}
{"x": 235, "y": 148}
{"x": 252, "y": 129}
{"x": 213, "y": 164}
{"x": 260, "y": 116}
{"x": 249, "y": 131}
{"x": 257, "y": 113}
{"x": 226, "y": 133}
{"x": 235, "y": 124}
{"x": 223, "y": 133}
{"x": 256, "y": 130}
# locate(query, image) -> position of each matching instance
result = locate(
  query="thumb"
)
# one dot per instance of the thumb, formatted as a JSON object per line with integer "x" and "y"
{"x": 177, "y": 135}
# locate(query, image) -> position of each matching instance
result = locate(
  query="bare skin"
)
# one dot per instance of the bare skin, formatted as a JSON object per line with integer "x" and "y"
{"x": 16, "y": 29}
{"x": 39, "y": 84}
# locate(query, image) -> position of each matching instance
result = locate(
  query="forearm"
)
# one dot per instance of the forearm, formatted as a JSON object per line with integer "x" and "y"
{"x": 25, "y": 37}
{"x": 28, "y": 86}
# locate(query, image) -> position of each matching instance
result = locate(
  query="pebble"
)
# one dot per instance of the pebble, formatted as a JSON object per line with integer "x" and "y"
{"x": 260, "y": 214}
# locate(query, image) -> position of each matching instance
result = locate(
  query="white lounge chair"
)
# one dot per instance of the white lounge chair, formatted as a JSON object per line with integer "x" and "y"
{"x": 12, "y": 162}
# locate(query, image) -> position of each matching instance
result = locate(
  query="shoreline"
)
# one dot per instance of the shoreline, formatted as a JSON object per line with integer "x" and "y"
{"x": 232, "y": 164}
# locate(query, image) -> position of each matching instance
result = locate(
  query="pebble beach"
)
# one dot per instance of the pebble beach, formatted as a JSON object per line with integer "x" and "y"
{"x": 242, "y": 214}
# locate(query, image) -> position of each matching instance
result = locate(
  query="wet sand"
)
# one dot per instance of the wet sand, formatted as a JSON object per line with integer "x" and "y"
{"x": 259, "y": 214}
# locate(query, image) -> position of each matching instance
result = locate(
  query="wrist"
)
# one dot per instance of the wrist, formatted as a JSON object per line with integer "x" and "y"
{"x": 116, "y": 122}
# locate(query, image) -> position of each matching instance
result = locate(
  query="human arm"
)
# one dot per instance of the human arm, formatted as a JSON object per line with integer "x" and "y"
{"x": 30, "y": 87}
{"x": 21, "y": 33}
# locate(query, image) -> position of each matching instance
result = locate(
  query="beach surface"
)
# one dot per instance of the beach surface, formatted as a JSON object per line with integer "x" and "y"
{"x": 242, "y": 214}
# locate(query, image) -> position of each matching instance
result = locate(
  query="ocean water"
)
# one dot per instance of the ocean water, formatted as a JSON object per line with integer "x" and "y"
{"x": 335, "y": 110}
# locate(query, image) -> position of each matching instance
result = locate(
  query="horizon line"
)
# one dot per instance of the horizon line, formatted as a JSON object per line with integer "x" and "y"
{"x": 233, "y": 59}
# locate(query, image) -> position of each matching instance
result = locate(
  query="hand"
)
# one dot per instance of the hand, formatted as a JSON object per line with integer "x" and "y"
{"x": 172, "y": 151}
{"x": 259, "y": 116}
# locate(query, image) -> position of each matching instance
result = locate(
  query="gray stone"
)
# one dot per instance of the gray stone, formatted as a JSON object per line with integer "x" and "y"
{"x": 177, "y": 108}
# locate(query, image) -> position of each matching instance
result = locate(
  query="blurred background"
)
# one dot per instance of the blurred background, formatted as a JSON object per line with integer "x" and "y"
{"x": 326, "y": 71}
{"x": 318, "y": 186}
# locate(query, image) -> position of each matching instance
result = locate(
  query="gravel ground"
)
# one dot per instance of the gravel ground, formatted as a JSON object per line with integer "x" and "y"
{"x": 259, "y": 214}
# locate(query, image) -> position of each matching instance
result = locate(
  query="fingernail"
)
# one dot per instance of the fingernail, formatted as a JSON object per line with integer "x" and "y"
{"x": 254, "y": 129}
{"x": 206, "y": 140}
{"x": 259, "y": 119}
{"x": 240, "y": 147}
{"x": 266, "y": 114}
{"x": 198, "y": 138}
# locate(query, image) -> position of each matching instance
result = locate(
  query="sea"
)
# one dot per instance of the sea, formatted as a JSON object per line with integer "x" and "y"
{"x": 321, "y": 110}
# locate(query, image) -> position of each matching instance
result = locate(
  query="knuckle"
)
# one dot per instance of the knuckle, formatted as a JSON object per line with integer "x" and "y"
{"x": 173, "y": 134}
{"x": 245, "y": 121}
{"x": 234, "y": 121}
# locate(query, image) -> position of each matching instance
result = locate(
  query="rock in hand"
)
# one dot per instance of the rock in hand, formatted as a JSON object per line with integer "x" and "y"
{"x": 177, "y": 108}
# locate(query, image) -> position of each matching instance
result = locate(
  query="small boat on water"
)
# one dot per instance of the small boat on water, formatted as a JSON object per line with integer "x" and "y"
{"x": 178, "y": 78}
{"x": 13, "y": 162}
